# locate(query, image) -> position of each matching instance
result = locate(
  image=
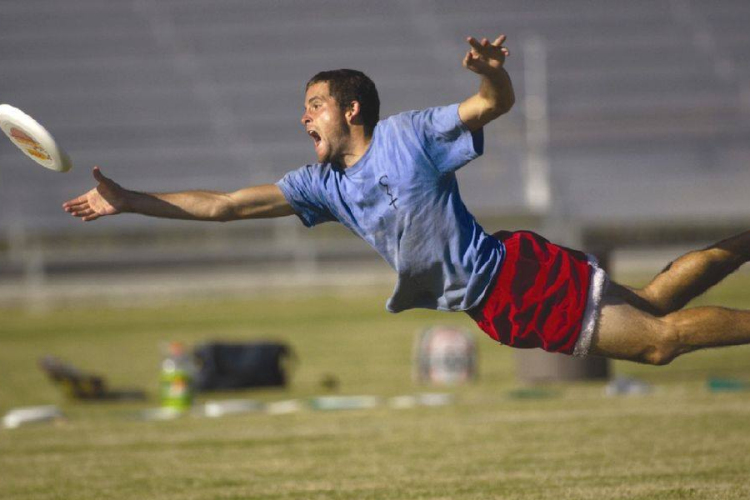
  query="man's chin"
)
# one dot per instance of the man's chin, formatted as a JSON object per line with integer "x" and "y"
{"x": 324, "y": 155}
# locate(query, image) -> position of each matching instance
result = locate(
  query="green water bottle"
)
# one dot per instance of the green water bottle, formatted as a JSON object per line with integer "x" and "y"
{"x": 176, "y": 378}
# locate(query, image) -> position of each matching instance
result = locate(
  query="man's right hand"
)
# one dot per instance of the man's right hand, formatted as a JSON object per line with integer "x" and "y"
{"x": 107, "y": 198}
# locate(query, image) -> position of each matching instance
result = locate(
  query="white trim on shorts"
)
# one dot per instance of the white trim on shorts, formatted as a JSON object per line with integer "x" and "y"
{"x": 597, "y": 287}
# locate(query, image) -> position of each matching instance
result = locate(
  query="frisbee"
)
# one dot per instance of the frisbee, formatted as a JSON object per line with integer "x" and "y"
{"x": 33, "y": 139}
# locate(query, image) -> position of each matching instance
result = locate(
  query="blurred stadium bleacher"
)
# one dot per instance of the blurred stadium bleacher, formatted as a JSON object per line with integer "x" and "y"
{"x": 649, "y": 101}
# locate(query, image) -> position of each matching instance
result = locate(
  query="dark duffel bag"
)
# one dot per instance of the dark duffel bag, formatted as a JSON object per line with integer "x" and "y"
{"x": 238, "y": 366}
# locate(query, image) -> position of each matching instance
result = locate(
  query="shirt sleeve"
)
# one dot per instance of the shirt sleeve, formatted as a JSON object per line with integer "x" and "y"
{"x": 303, "y": 189}
{"x": 447, "y": 141}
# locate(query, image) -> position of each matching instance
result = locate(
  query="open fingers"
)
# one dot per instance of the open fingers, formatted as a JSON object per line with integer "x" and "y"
{"x": 75, "y": 202}
{"x": 79, "y": 206}
{"x": 92, "y": 216}
{"x": 485, "y": 49}
{"x": 477, "y": 47}
{"x": 476, "y": 64}
{"x": 82, "y": 211}
{"x": 499, "y": 40}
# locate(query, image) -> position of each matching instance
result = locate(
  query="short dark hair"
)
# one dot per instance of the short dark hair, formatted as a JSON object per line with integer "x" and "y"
{"x": 347, "y": 85}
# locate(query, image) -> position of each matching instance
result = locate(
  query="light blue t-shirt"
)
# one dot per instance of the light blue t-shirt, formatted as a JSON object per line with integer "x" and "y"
{"x": 402, "y": 198}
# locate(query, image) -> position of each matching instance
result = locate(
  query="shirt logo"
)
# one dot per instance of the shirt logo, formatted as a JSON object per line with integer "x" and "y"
{"x": 383, "y": 181}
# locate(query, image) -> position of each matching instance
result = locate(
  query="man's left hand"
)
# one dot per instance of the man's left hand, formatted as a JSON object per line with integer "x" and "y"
{"x": 495, "y": 96}
{"x": 485, "y": 58}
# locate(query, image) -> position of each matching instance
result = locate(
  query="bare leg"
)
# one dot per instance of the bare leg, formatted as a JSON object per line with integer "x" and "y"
{"x": 689, "y": 276}
{"x": 626, "y": 332}
{"x": 646, "y": 325}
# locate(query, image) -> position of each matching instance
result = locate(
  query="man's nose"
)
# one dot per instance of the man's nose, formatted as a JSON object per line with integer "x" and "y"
{"x": 305, "y": 118}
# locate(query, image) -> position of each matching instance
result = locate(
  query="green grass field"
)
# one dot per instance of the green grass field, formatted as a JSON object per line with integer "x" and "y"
{"x": 679, "y": 442}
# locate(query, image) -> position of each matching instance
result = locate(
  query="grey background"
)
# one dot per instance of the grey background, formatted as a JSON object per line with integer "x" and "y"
{"x": 649, "y": 107}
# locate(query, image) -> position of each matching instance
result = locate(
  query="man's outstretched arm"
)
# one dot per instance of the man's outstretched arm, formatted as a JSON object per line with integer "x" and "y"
{"x": 109, "y": 198}
{"x": 495, "y": 96}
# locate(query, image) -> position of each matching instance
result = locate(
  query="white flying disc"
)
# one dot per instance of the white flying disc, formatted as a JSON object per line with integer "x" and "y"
{"x": 33, "y": 139}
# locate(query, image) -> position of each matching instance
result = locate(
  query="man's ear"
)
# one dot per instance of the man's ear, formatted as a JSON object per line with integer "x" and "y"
{"x": 353, "y": 116}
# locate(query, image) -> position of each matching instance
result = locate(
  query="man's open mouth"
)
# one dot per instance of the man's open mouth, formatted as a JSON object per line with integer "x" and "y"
{"x": 315, "y": 137}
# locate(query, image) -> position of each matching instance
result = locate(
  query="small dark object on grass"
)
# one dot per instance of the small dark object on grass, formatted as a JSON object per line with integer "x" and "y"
{"x": 329, "y": 382}
{"x": 242, "y": 365}
{"x": 81, "y": 385}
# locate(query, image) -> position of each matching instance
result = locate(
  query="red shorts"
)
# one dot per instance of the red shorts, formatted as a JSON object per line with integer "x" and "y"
{"x": 539, "y": 297}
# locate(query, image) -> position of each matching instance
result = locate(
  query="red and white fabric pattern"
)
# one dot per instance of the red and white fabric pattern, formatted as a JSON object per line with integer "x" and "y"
{"x": 545, "y": 296}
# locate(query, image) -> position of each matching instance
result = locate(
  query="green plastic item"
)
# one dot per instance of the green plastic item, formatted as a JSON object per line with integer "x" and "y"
{"x": 727, "y": 385}
{"x": 176, "y": 380}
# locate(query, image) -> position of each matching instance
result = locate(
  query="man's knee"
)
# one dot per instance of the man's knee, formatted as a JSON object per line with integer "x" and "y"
{"x": 659, "y": 356}
{"x": 628, "y": 332}
{"x": 666, "y": 345}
